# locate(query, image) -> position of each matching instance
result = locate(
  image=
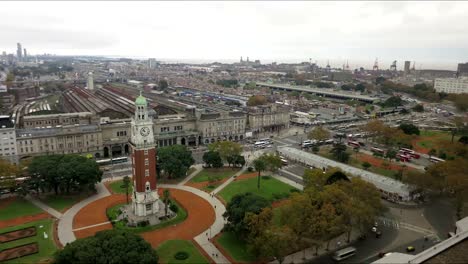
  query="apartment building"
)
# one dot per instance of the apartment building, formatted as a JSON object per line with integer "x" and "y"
{"x": 451, "y": 85}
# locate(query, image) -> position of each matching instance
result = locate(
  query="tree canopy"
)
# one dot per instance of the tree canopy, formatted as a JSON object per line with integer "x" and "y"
{"x": 256, "y": 100}
{"x": 238, "y": 207}
{"x": 409, "y": 129}
{"x": 109, "y": 246}
{"x": 226, "y": 149}
{"x": 174, "y": 160}
{"x": 63, "y": 172}
{"x": 319, "y": 133}
{"x": 212, "y": 159}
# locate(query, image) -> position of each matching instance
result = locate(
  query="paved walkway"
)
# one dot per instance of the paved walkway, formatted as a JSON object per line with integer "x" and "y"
{"x": 203, "y": 238}
{"x": 44, "y": 206}
{"x": 65, "y": 225}
{"x": 198, "y": 168}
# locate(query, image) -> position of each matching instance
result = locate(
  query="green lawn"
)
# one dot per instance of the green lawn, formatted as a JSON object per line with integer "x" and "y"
{"x": 62, "y": 202}
{"x": 235, "y": 247}
{"x": 116, "y": 187}
{"x": 19, "y": 207}
{"x": 113, "y": 212}
{"x": 221, "y": 173}
{"x": 168, "y": 249}
{"x": 46, "y": 245}
{"x": 270, "y": 188}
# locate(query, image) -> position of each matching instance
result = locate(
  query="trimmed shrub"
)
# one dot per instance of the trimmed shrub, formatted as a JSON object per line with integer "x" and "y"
{"x": 181, "y": 255}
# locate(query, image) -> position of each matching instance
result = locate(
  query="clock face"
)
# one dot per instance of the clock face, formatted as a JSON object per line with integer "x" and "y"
{"x": 144, "y": 131}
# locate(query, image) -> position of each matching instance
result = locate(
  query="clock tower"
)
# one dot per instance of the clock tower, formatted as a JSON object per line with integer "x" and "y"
{"x": 145, "y": 195}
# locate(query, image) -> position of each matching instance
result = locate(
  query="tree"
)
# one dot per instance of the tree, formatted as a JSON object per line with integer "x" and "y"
{"x": 463, "y": 140}
{"x": 65, "y": 172}
{"x": 166, "y": 196}
{"x": 256, "y": 100}
{"x": 259, "y": 165}
{"x": 175, "y": 160}
{"x": 391, "y": 154}
{"x": 109, "y": 246}
{"x": 319, "y": 133}
{"x": 239, "y": 160}
{"x": 272, "y": 161}
{"x": 213, "y": 159}
{"x": 163, "y": 84}
{"x": 126, "y": 185}
{"x": 8, "y": 173}
{"x": 393, "y": 101}
{"x": 226, "y": 149}
{"x": 366, "y": 165}
{"x": 335, "y": 177}
{"x": 238, "y": 207}
{"x": 339, "y": 153}
{"x": 432, "y": 152}
{"x": 360, "y": 87}
{"x": 409, "y": 129}
{"x": 418, "y": 108}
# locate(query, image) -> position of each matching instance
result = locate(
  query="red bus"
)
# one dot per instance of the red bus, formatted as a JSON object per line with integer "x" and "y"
{"x": 354, "y": 144}
{"x": 410, "y": 152}
{"x": 377, "y": 150}
{"x": 403, "y": 157}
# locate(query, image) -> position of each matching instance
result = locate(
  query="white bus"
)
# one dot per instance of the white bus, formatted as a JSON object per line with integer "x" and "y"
{"x": 260, "y": 144}
{"x": 435, "y": 159}
{"x": 267, "y": 140}
{"x": 344, "y": 253}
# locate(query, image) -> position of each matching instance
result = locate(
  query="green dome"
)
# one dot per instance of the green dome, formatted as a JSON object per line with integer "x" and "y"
{"x": 140, "y": 100}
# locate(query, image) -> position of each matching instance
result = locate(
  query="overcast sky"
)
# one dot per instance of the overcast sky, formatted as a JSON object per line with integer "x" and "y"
{"x": 434, "y": 34}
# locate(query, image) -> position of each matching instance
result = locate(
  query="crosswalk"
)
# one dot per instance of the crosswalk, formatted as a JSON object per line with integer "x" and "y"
{"x": 396, "y": 224}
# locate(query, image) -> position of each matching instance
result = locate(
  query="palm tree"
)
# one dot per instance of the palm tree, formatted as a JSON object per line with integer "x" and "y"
{"x": 259, "y": 165}
{"x": 166, "y": 196}
{"x": 126, "y": 185}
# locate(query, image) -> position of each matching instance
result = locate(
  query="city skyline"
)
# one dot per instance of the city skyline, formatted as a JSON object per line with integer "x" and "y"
{"x": 431, "y": 33}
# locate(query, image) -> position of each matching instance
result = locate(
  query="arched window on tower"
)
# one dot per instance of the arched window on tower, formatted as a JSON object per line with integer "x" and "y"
{"x": 147, "y": 186}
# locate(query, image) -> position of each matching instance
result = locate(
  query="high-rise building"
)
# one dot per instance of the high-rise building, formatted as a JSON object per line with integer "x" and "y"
{"x": 407, "y": 66}
{"x": 145, "y": 195}
{"x": 451, "y": 85}
{"x": 25, "y": 53}
{"x": 90, "y": 83}
{"x": 19, "y": 51}
{"x": 462, "y": 69}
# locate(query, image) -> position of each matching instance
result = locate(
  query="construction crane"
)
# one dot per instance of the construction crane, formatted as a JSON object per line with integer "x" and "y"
{"x": 376, "y": 65}
{"x": 393, "y": 66}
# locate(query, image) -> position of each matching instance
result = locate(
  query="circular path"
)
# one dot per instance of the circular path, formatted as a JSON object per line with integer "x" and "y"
{"x": 92, "y": 218}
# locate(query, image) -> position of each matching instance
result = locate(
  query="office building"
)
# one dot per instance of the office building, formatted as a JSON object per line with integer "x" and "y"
{"x": 462, "y": 69}
{"x": 25, "y": 54}
{"x": 451, "y": 85}
{"x": 19, "y": 51}
{"x": 8, "y": 140}
{"x": 407, "y": 66}
{"x": 90, "y": 84}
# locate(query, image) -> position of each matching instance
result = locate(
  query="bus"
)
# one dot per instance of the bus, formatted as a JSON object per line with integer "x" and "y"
{"x": 377, "y": 150}
{"x": 104, "y": 162}
{"x": 435, "y": 159}
{"x": 267, "y": 140}
{"x": 403, "y": 157}
{"x": 260, "y": 144}
{"x": 344, "y": 253}
{"x": 354, "y": 144}
{"x": 410, "y": 152}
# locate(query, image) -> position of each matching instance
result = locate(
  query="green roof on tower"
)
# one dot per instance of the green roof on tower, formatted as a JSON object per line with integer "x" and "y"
{"x": 140, "y": 100}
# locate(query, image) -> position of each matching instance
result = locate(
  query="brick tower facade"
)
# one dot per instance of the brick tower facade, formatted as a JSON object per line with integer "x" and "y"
{"x": 145, "y": 195}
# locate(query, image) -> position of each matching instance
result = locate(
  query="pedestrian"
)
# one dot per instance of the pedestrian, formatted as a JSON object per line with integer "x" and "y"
{"x": 215, "y": 206}
{"x": 216, "y": 254}
{"x": 206, "y": 233}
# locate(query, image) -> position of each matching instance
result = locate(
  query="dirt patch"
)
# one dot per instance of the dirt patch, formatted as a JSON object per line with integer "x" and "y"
{"x": 95, "y": 212}
{"x": 18, "y": 252}
{"x": 247, "y": 176}
{"x": 200, "y": 217}
{"x": 376, "y": 162}
{"x": 23, "y": 220}
{"x": 280, "y": 203}
{"x": 17, "y": 234}
{"x": 202, "y": 185}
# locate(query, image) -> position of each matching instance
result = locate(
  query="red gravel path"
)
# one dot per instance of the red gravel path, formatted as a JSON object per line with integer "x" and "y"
{"x": 200, "y": 217}
{"x": 23, "y": 219}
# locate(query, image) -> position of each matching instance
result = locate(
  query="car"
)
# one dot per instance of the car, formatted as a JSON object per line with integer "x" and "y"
{"x": 410, "y": 249}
